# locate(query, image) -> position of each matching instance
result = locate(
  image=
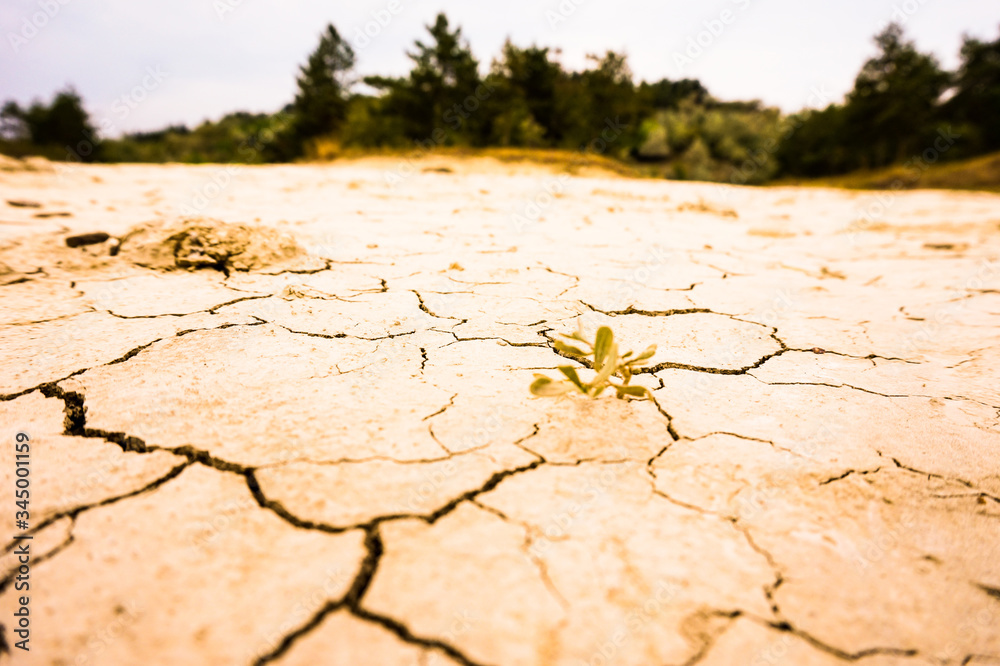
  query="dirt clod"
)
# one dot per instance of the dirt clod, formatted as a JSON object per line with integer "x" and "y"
{"x": 196, "y": 243}
{"x": 87, "y": 239}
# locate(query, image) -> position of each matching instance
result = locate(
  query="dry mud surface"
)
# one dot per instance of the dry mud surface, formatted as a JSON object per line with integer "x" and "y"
{"x": 296, "y": 429}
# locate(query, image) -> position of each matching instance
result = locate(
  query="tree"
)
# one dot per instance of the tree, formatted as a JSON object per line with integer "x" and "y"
{"x": 528, "y": 80}
{"x": 12, "y": 124}
{"x": 442, "y": 93}
{"x": 606, "y": 93}
{"x": 976, "y": 102}
{"x": 814, "y": 144}
{"x": 320, "y": 106}
{"x": 891, "y": 111}
{"x": 64, "y": 125}
{"x": 666, "y": 94}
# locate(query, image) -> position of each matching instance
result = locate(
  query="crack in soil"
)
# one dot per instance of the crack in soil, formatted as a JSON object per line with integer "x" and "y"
{"x": 212, "y": 310}
{"x": 864, "y": 390}
{"x": 423, "y": 306}
{"x": 780, "y": 621}
{"x": 75, "y": 425}
{"x": 132, "y": 353}
{"x": 76, "y": 511}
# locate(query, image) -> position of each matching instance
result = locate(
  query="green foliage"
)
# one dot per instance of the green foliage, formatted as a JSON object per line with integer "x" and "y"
{"x": 60, "y": 127}
{"x": 321, "y": 103}
{"x": 605, "y": 92}
{"x": 433, "y": 102}
{"x": 523, "y": 105}
{"x": 606, "y": 363}
{"x": 515, "y": 125}
{"x": 243, "y": 138}
{"x": 533, "y": 77}
{"x": 712, "y": 141}
{"x": 892, "y": 114}
{"x": 902, "y": 105}
{"x": 976, "y": 103}
{"x": 815, "y": 145}
{"x": 370, "y": 125}
{"x": 666, "y": 94}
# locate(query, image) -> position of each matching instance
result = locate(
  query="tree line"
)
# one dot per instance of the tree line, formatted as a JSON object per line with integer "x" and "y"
{"x": 902, "y": 104}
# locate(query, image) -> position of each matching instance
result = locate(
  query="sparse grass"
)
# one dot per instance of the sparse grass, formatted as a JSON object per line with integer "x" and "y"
{"x": 606, "y": 363}
{"x": 980, "y": 173}
{"x": 567, "y": 161}
{"x": 977, "y": 173}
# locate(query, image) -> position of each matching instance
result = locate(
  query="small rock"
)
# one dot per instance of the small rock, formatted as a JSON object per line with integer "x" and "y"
{"x": 87, "y": 239}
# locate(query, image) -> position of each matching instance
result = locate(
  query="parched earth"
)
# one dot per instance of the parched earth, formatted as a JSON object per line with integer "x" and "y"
{"x": 281, "y": 416}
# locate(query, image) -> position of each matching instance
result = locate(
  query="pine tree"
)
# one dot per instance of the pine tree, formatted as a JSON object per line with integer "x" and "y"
{"x": 63, "y": 124}
{"x": 892, "y": 110}
{"x": 526, "y": 81}
{"x": 976, "y": 103}
{"x": 433, "y": 99}
{"x": 324, "y": 82}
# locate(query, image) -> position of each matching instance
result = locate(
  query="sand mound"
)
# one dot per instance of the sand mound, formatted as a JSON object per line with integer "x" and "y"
{"x": 30, "y": 163}
{"x": 188, "y": 244}
{"x": 10, "y": 163}
{"x": 196, "y": 243}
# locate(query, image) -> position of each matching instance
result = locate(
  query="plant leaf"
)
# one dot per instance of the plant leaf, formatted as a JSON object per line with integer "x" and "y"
{"x": 545, "y": 387}
{"x": 609, "y": 367}
{"x": 571, "y": 375}
{"x": 634, "y": 391}
{"x": 644, "y": 355}
{"x": 607, "y": 364}
{"x": 568, "y": 349}
{"x": 602, "y": 345}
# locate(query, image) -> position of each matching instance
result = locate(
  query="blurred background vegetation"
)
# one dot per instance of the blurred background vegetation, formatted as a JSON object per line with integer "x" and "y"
{"x": 904, "y": 116}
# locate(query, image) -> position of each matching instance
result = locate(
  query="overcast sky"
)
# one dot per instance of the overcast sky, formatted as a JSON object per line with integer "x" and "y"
{"x": 182, "y": 61}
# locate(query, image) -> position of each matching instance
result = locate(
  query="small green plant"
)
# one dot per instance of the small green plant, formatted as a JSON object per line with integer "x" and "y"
{"x": 606, "y": 362}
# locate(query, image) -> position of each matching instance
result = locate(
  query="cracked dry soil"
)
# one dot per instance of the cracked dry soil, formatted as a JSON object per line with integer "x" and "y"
{"x": 330, "y": 456}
